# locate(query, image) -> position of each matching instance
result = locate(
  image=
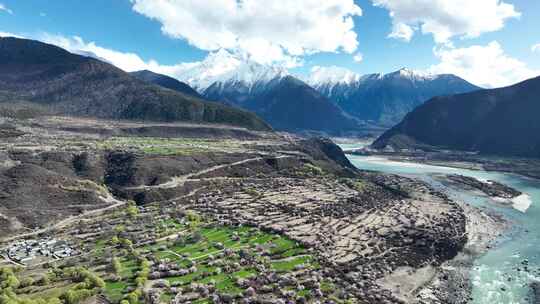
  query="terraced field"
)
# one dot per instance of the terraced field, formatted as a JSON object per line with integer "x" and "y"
{"x": 227, "y": 262}
{"x": 177, "y": 258}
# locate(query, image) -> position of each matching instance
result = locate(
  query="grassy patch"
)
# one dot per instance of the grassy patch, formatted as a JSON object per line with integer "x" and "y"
{"x": 166, "y": 146}
{"x": 115, "y": 290}
{"x": 215, "y": 240}
{"x": 291, "y": 263}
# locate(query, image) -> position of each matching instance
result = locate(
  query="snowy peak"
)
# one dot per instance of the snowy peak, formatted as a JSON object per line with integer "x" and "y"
{"x": 384, "y": 99}
{"x": 412, "y": 75}
{"x": 224, "y": 67}
{"x": 332, "y": 75}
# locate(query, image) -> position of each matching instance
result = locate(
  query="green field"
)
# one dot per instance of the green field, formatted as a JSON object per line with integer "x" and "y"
{"x": 189, "y": 251}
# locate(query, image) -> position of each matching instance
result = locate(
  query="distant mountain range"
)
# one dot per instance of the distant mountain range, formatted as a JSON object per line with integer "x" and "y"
{"x": 281, "y": 99}
{"x": 67, "y": 83}
{"x": 383, "y": 98}
{"x": 334, "y": 102}
{"x": 373, "y": 99}
{"x": 500, "y": 121}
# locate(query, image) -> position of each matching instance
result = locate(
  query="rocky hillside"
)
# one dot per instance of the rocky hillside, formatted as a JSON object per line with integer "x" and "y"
{"x": 500, "y": 121}
{"x": 384, "y": 99}
{"x": 166, "y": 82}
{"x": 76, "y": 85}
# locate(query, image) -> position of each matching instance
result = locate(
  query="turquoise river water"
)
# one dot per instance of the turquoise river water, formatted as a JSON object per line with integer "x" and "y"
{"x": 503, "y": 274}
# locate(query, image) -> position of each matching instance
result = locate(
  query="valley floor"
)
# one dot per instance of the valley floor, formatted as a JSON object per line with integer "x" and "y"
{"x": 176, "y": 213}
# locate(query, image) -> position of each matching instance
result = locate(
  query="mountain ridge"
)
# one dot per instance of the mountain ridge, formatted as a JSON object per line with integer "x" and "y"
{"x": 375, "y": 99}
{"x": 71, "y": 84}
{"x": 166, "y": 82}
{"x": 287, "y": 104}
{"x": 499, "y": 121}
{"x": 284, "y": 101}
{"x": 386, "y": 98}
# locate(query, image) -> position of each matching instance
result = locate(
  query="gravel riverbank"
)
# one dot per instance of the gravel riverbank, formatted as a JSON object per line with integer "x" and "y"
{"x": 452, "y": 284}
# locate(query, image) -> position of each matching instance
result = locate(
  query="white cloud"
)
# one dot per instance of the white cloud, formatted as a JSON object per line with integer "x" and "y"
{"x": 535, "y": 48}
{"x": 75, "y": 44}
{"x": 268, "y": 31}
{"x": 445, "y": 19}
{"x": 401, "y": 31}
{"x": 126, "y": 61}
{"x": 224, "y": 61}
{"x": 7, "y": 34}
{"x": 487, "y": 66}
{"x": 359, "y": 57}
{"x": 5, "y": 9}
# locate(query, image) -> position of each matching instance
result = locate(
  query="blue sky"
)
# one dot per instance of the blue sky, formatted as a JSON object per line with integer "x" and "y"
{"x": 507, "y": 32}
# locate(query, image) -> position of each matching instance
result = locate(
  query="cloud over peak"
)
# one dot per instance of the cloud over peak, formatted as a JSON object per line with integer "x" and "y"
{"x": 268, "y": 31}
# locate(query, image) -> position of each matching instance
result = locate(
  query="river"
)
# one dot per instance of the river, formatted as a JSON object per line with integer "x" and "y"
{"x": 500, "y": 276}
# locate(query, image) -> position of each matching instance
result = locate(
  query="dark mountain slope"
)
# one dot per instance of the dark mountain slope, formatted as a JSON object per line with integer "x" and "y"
{"x": 75, "y": 85}
{"x": 286, "y": 103}
{"x": 293, "y": 105}
{"x": 166, "y": 82}
{"x": 500, "y": 121}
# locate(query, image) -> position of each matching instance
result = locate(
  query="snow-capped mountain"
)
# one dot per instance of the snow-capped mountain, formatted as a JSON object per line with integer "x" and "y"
{"x": 331, "y": 76}
{"x": 328, "y": 94}
{"x": 284, "y": 101}
{"x": 412, "y": 75}
{"x": 383, "y": 98}
{"x": 225, "y": 69}
{"x": 335, "y": 76}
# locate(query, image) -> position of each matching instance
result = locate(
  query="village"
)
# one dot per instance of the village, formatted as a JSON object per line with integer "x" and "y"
{"x": 31, "y": 252}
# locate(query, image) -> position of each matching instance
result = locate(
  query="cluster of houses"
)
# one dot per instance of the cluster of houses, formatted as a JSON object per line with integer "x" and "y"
{"x": 28, "y": 251}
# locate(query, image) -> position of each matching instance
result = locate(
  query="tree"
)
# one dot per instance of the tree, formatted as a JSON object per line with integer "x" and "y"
{"x": 133, "y": 297}
{"x": 142, "y": 277}
{"x": 25, "y": 282}
{"x": 117, "y": 266}
{"x": 90, "y": 284}
{"x": 8, "y": 280}
{"x": 75, "y": 296}
{"x": 115, "y": 240}
{"x": 126, "y": 243}
{"x": 119, "y": 229}
{"x": 194, "y": 219}
{"x": 132, "y": 210}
